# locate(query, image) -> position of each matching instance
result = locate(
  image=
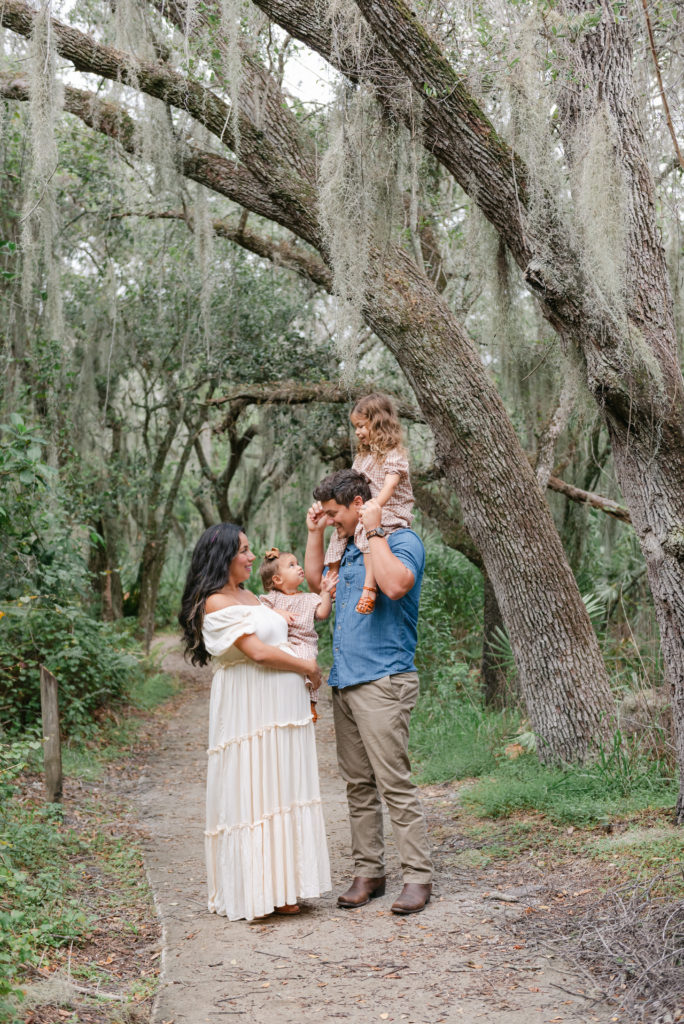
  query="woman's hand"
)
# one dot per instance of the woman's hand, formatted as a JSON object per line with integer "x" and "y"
{"x": 288, "y": 616}
{"x": 313, "y": 673}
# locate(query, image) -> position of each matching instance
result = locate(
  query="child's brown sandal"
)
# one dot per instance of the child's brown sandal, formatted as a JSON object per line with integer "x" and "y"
{"x": 367, "y": 600}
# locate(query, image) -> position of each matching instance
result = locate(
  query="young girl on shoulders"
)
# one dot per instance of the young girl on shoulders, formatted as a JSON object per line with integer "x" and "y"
{"x": 383, "y": 459}
{"x": 282, "y": 576}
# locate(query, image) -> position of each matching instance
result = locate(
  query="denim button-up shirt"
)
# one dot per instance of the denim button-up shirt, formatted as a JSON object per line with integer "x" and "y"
{"x": 367, "y": 647}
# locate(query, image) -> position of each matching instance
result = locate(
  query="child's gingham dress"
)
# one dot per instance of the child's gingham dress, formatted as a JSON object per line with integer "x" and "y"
{"x": 397, "y": 514}
{"x": 301, "y": 634}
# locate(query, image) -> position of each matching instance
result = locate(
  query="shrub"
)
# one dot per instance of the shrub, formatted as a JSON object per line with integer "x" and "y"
{"x": 450, "y": 623}
{"x": 92, "y": 661}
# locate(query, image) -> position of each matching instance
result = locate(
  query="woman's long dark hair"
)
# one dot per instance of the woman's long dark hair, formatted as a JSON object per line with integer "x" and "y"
{"x": 208, "y": 573}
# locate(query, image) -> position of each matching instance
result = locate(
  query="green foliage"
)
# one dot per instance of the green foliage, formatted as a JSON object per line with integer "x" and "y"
{"x": 450, "y": 617}
{"x": 452, "y": 735}
{"x": 94, "y": 663}
{"x": 38, "y": 552}
{"x": 42, "y": 859}
{"x": 36, "y": 863}
{"x": 620, "y": 782}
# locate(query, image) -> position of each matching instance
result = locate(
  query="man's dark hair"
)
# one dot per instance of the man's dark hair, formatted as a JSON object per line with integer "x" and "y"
{"x": 342, "y": 487}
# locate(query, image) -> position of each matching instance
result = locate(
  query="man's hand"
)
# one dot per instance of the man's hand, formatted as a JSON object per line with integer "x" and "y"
{"x": 329, "y": 582}
{"x": 371, "y": 515}
{"x": 316, "y": 518}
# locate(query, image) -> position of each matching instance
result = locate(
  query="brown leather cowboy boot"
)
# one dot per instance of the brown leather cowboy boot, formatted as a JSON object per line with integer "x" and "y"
{"x": 361, "y": 891}
{"x": 414, "y": 897}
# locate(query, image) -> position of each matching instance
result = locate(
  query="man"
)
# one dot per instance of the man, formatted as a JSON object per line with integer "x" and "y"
{"x": 374, "y": 686}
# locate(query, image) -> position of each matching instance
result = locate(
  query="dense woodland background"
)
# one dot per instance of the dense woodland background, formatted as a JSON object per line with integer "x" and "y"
{"x": 480, "y": 214}
{"x": 477, "y": 208}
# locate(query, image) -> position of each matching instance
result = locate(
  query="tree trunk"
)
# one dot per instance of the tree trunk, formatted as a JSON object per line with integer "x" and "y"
{"x": 103, "y": 564}
{"x": 150, "y": 573}
{"x": 635, "y": 373}
{"x": 159, "y": 525}
{"x": 562, "y": 676}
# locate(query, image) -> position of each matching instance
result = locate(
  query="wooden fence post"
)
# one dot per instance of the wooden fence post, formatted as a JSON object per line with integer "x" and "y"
{"x": 52, "y": 750}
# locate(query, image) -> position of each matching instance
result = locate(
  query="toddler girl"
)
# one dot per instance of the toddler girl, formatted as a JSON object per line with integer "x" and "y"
{"x": 383, "y": 459}
{"x": 282, "y": 576}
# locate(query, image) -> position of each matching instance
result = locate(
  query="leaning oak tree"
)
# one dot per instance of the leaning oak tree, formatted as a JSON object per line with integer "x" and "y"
{"x": 273, "y": 172}
{"x": 597, "y": 266}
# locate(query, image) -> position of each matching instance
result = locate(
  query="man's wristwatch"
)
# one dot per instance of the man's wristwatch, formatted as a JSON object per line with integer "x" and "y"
{"x": 377, "y": 532}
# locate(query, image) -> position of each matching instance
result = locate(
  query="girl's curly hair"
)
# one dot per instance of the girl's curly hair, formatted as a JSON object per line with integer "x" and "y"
{"x": 383, "y": 422}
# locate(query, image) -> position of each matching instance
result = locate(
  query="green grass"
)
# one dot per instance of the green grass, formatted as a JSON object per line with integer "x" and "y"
{"x": 44, "y": 863}
{"x": 644, "y": 852}
{"x": 38, "y": 871}
{"x": 572, "y": 795}
{"x": 454, "y": 737}
{"x": 117, "y": 733}
{"x": 152, "y": 690}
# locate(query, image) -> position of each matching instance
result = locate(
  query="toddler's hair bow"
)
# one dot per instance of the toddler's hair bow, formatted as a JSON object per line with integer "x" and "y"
{"x": 271, "y": 554}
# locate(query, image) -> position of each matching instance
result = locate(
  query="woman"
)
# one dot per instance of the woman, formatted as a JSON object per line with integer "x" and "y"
{"x": 265, "y": 839}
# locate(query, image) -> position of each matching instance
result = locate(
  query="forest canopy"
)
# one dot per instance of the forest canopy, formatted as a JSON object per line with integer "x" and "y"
{"x": 480, "y": 213}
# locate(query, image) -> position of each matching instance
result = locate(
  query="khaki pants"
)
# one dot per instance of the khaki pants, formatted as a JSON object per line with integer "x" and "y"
{"x": 371, "y": 729}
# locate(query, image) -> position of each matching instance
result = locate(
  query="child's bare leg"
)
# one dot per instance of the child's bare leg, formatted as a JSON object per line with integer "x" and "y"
{"x": 367, "y": 600}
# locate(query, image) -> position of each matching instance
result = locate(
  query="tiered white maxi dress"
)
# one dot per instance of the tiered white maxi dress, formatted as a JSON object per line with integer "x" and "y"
{"x": 265, "y": 838}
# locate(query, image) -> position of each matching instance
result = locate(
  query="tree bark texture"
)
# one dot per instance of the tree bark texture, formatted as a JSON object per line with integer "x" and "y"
{"x": 159, "y": 510}
{"x": 561, "y": 672}
{"x": 103, "y": 565}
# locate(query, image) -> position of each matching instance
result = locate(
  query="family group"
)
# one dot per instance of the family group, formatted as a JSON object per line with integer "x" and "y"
{"x": 265, "y": 836}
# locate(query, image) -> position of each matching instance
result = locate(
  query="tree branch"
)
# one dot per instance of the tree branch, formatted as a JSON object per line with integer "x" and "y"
{"x": 453, "y": 127}
{"x": 286, "y": 185}
{"x": 215, "y": 172}
{"x": 661, "y": 88}
{"x": 291, "y": 392}
{"x": 280, "y": 252}
{"x": 597, "y": 501}
{"x": 446, "y": 517}
{"x": 556, "y": 426}
{"x": 155, "y": 78}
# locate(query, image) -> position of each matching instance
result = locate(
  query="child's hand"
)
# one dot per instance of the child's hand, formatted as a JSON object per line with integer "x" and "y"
{"x": 314, "y": 674}
{"x": 288, "y": 616}
{"x": 370, "y": 515}
{"x": 329, "y": 582}
{"x": 316, "y": 517}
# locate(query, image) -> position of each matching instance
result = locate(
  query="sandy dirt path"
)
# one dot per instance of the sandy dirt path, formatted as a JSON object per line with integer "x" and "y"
{"x": 462, "y": 959}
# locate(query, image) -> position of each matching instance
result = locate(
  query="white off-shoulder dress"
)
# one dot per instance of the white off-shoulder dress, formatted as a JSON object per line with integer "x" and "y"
{"x": 265, "y": 838}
